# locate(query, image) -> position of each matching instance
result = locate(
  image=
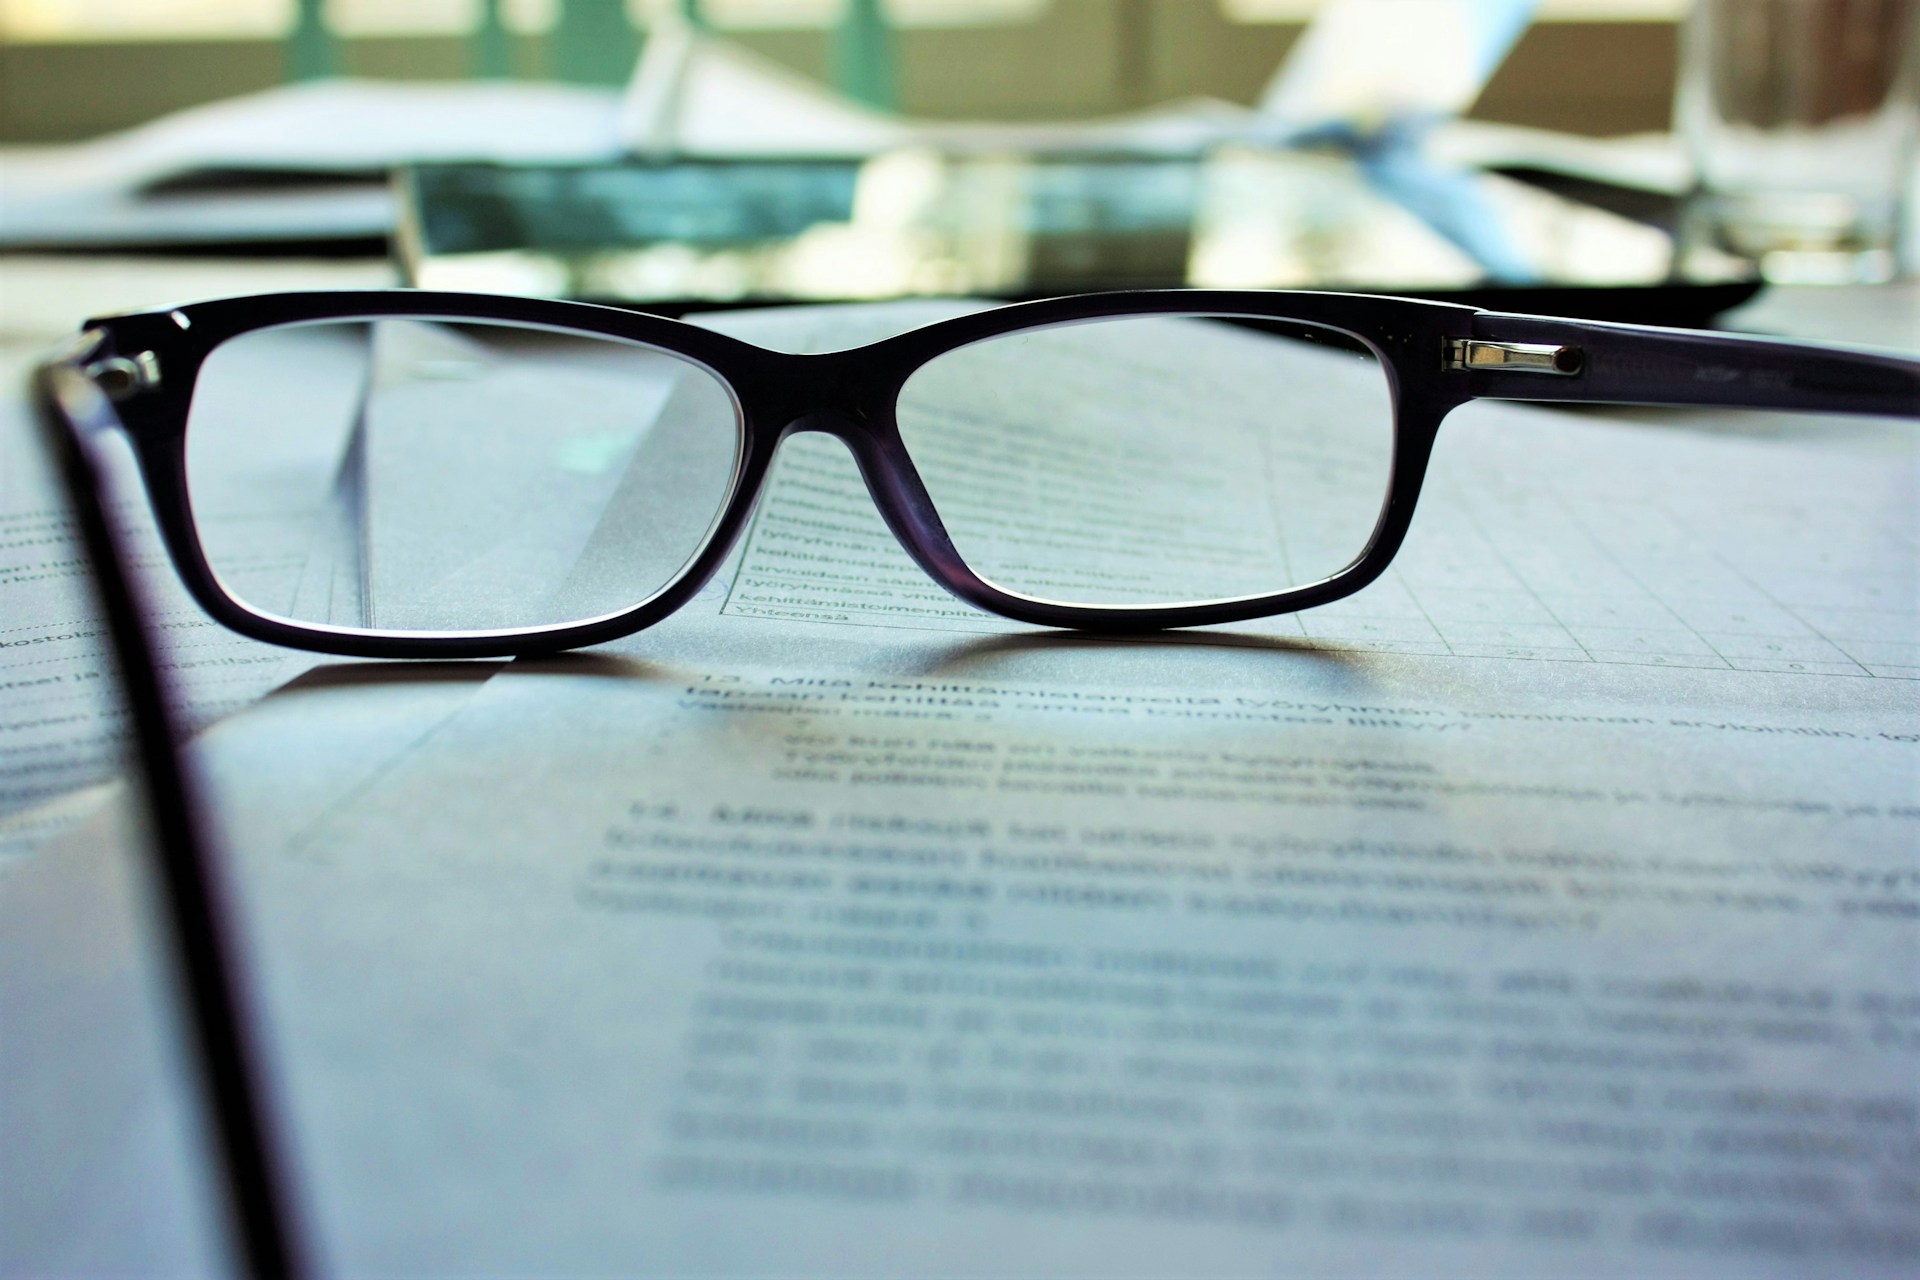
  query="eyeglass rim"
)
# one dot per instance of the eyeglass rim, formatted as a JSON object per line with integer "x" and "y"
{"x": 779, "y": 393}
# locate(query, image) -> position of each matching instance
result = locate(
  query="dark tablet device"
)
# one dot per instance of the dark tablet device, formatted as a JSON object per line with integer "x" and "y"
{"x": 684, "y": 235}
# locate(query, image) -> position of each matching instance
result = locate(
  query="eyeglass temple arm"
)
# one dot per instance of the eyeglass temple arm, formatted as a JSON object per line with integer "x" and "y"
{"x": 71, "y": 413}
{"x": 1598, "y": 363}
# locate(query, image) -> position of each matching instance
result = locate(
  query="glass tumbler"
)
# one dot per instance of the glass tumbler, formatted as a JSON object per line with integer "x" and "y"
{"x": 1799, "y": 118}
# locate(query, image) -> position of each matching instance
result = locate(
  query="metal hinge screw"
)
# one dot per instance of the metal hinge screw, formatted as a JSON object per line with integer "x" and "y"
{"x": 120, "y": 377}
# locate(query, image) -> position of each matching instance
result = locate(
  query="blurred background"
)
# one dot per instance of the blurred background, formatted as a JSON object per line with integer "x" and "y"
{"x": 1595, "y": 67}
{"x": 629, "y": 150}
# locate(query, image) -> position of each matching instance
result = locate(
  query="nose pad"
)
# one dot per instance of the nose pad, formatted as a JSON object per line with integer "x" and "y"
{"x": 902, "y": 500}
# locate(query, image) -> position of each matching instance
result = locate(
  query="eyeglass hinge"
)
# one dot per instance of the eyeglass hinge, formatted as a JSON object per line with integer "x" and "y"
{"x": 122, "y": 377}
{"x": 1513, "y": 357}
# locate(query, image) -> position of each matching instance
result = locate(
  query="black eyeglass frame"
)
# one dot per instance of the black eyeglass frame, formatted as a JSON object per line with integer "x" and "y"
{"x": 266, "y": 1232}
{"x": 1436, "y": 356}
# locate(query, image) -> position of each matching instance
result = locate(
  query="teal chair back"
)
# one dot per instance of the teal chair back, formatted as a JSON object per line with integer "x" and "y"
{"x": 492, "y": 48}
{"x": 593, "y": 42}
{"x": 310, "y": 48}
{"x": 864, "y": 59}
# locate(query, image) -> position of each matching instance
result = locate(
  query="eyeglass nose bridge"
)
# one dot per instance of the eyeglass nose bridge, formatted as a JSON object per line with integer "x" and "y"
{"x": 904, "y": 504}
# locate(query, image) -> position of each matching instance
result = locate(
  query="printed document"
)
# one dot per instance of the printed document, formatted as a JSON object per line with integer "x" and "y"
{"x": 1551, "y": 907}
{"x": 60, "y": 726}
{"x": 59, "y": 729}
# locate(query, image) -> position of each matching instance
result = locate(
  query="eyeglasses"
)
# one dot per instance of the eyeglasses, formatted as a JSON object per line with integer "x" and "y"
{"x": 405, "y": 474}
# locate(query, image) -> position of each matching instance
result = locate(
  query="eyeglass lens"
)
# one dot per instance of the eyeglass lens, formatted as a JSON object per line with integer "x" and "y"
{"x": 434, "y": 475}
{"x": 1240, "y": 462}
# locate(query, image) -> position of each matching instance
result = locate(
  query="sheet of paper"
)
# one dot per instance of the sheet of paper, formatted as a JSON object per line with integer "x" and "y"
{"x": 92, "y": 1054}
{"x": 60, "y": 728}
{"x": 1038, "y": 962}
{"x": 1549, "y": 908}
{"x": 495, "y": 459}
{"x": 203, "y": 176}
{"x": 91, "y": 1065}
